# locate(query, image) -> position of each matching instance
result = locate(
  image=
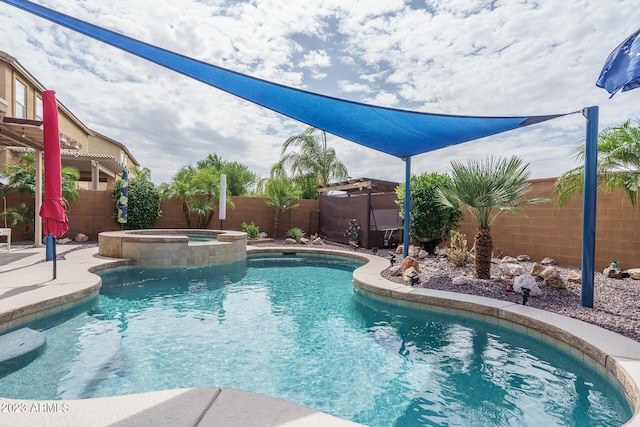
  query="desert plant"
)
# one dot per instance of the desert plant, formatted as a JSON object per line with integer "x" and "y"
{"x": 457, "y": 250}
{"x": 252, "y": 230}
{"x": 488, "y": 188}
{"x": 296, "y": 233}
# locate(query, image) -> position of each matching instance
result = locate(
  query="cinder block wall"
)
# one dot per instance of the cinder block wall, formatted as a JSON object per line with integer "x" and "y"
{"x": 557, "y": 233}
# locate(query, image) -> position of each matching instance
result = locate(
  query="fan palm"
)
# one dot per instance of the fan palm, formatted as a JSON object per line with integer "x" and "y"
{"x": 314, "y": 158}
{"x": 281, "y": 192}
{"x": 487, "y": 188}
{"x": 618, "y": 165}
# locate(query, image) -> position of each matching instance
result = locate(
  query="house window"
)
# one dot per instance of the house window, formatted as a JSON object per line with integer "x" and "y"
{"x": 21, "y": 100}
{"x": 38, "y": 108}
{"x": 123, "y": 158}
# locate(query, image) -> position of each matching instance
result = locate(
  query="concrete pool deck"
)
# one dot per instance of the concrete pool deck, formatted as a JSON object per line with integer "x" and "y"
{"x": 28, "y": 292}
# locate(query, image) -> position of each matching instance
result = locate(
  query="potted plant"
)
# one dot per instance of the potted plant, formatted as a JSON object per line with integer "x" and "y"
{"x": 353, "y": 232}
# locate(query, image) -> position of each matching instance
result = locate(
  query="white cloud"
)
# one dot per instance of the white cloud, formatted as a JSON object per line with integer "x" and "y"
{"x": 457, "y": 57}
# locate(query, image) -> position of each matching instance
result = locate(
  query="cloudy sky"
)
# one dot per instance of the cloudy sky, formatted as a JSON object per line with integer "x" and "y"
{"x": 466, "y": 57}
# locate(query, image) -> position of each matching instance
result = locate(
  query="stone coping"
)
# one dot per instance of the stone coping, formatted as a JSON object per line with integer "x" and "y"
{"x": 613, "y": 354}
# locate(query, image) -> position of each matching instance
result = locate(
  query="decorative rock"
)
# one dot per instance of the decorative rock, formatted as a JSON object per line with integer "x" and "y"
{"x": 536, "y": 269}
{"x": 509, "y": 260}
{"x": 548, "y": 261}
{"x": 396, "y": 270}
{"x": 613, "y": 273}
{"x": 461, "y": 280}
{"x": 317, "y": 241}
{"x": 410, "y": 262}
{"x": 523, "y": 258}
{"x": 634, "y": 273}
{"x": 527, "y": 281}
{"x": 400, "y": 249}
{"x": 406, "y": 274}
{"x": 574, "y": 277}
{"x": 64, "y": 241}
{"x": 290, "y": 241}
{"x": 262, "y": 235}
{"x": 81, "y": 237}
{"x": 304, "y": 240}
{"x": 552, "y": 278}
{"x": 423, "y": 254}
{"x": 510, "y": 270}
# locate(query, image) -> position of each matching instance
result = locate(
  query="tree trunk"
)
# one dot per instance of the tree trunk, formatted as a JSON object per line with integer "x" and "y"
{"x": 276, "y": 223}
{"x": 484, "y": 248}
{"x": 185, "y": 211}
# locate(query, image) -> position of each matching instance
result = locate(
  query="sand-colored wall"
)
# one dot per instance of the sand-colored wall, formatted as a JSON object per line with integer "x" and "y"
{"x": 557, "y": 233}
{"x": 545, "y": 231}
{"x": 92, "y": 214}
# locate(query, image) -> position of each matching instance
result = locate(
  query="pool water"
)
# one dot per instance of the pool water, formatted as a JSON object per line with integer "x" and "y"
{"x": 292, "y": 327}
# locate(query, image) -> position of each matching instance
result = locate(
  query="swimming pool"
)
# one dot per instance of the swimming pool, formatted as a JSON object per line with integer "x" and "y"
{"x": 313, "y": 342}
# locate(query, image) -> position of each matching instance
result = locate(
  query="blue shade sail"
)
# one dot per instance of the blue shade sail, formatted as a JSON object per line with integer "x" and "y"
{"x": 622, "y": 68}
{"x": 401, "y": 133}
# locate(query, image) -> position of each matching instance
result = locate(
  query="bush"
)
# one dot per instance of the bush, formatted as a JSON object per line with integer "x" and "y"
{"x": 429, "y": 220}
{"x": 296, "y": 233}
{"x": 143, "y": 208}
{"x": 252, "y": 230}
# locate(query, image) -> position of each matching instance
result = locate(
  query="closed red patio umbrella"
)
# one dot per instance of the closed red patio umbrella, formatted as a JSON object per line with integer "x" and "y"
{"x": 53, "y": 209}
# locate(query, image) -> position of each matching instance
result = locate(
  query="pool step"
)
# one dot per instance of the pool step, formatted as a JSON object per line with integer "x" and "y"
{"x": 20, "y": 342}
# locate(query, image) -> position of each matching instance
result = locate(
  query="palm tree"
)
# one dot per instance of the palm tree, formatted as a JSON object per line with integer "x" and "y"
{"x": 314, "y": 158}
{"x": 618, "y": 165}
{"x": 487, "y": 188}
{"x": 281, "y": 192}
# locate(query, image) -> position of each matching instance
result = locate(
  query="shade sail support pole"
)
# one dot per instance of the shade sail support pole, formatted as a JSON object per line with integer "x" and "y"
{"x": 589, "y": 207}
{"x": 407, "y": 205}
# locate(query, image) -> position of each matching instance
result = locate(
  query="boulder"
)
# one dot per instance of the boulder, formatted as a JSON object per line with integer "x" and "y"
{"x": 81, "y": 238}
{"x": 634, "y": 273}
{"x": 536, "y": 269}
{"x": 262, "y": 235}
{"x": 613, "y": 273}
{"x": 548, "y": 261}
{"x": 400, "y": 249}
{"x": 406, "y": 275}
{"x": 396, "y": 270}
{"x": 423, "y": 254}
{"x": 526, "y": 281}
{"x": 509, "y": 260}
{"x": 317, "y": 241}
{"x": 304, "y": 240}
{"x": 523, "y": 258}
{"x": 552, "y": 278}
{"x": 510, "y": 270}
{"x": 461, "y": 280}
{"x": 410, "y": 262}
{"x": 290, "y": 241}
{"x": 574, "y": 277}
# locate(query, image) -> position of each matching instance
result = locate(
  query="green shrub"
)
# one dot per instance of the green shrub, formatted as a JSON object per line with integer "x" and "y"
{"x": 252, "y": 230}
{"x": 429, "y": 220}
{"x": 143, "y": 207}
{"x": 296, "y": 233}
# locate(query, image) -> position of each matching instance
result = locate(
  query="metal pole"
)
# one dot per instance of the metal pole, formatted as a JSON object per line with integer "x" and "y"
{"x": 407, "y": 205}
{"x": 589, "y": 206}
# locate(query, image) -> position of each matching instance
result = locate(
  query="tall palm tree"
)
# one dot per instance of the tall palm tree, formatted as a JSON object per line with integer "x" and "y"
{"x": 314, "y": 158}
{"x": 281, "y": 192}
{"x": 618, "y": 165}
{"x": 487, "y": 188}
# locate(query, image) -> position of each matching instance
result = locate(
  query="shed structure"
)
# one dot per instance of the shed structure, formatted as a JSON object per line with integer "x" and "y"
{"x": 369, "y": 201}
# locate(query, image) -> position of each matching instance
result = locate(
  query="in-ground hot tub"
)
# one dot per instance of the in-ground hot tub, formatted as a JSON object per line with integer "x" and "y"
{"x": 174, "y": 247}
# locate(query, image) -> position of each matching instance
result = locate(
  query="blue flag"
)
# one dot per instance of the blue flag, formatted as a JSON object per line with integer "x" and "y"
{"x": 622, "y": 68}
